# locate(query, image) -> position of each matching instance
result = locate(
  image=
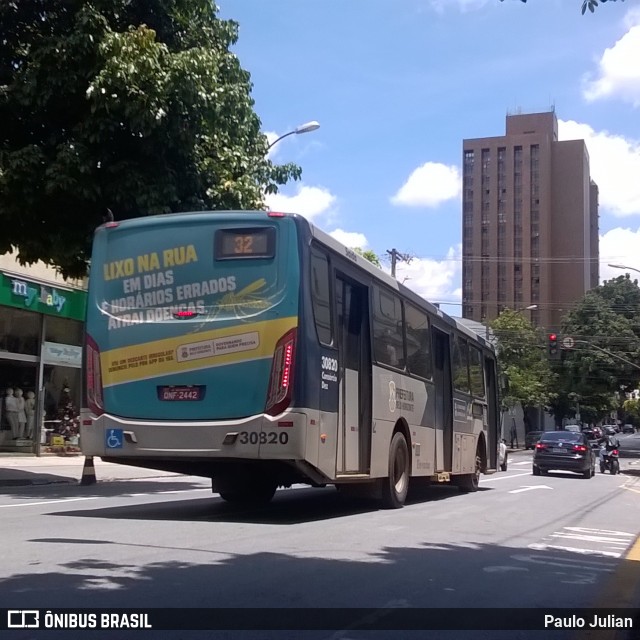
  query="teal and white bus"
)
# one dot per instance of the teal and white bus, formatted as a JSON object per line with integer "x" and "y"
{"x": 254, "y": 349}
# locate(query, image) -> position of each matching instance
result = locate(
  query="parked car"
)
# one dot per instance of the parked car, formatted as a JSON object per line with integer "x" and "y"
{"x": 502, "y": 455}
{"x": 564, "y": 451}
{"x": 531, "y": 438}
{"x": 627, "y": 428}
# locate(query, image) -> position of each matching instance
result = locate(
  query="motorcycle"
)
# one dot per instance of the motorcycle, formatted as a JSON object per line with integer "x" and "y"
{"x": 609, "y": 461}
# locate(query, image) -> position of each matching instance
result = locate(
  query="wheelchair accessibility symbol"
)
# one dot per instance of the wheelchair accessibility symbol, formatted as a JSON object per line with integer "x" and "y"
{"x": 114, "y": 438}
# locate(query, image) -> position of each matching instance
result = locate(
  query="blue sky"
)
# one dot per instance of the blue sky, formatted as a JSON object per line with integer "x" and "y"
{"x": 397, "y": 85}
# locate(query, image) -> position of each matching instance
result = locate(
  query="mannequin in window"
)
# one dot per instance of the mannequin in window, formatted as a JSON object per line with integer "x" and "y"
{"x": 22, "y": 416}
{"x": 30, "y": 411}
{"x": 11, "y": 411}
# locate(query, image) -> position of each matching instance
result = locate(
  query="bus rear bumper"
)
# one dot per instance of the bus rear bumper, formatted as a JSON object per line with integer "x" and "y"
{"x": 257, "y": 437}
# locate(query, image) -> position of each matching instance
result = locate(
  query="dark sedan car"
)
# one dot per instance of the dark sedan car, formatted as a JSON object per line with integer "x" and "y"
{"x": 531, "y": 438}
{"x": 564, "y": 451}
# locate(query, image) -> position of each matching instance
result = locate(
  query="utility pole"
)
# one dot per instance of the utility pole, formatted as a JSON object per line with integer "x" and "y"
{"x": 395, "y": 256}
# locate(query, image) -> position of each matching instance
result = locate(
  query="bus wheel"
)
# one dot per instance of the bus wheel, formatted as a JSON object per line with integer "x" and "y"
{"x": 471, "y": 482}
{"x": 396, "y": 485}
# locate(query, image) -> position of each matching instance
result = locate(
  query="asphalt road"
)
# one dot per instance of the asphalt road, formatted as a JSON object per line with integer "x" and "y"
{"x": 521, "y": 541}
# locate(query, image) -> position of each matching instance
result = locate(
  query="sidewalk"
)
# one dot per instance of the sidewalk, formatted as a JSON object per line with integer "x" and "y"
{"x": 16, "y": 471}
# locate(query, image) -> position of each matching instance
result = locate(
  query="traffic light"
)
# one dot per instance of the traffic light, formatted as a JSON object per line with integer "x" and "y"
{"x": 554, "y": 349}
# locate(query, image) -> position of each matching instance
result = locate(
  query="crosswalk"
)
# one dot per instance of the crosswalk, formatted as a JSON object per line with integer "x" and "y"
{"x": 597, "y": 542}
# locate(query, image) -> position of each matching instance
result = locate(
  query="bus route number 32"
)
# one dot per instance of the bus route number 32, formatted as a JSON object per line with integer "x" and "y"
{"x": 255, "y": 437}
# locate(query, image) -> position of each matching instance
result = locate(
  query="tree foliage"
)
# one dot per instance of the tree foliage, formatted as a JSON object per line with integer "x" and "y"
{"x": 587, "y": 4}
{"x": 605, "y": 325}
{"x": 522, "y": 360}
{"x": 369, "y": 255}
{"x": 138, "y": 106}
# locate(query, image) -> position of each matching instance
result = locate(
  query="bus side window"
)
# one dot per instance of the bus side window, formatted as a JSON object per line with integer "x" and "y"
{"x": 418, "y": 341}
{"x": 320, "y": 297}
{"x": 460, "y": 365}
{"x": 387, "y": 329}
{"x": 476, "y": 373}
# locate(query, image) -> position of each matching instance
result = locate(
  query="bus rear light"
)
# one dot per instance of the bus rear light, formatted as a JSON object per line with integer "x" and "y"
{"x": 281, "y": 377}
{"x": 276, "y": 214}
{"x": 94, "y": 377}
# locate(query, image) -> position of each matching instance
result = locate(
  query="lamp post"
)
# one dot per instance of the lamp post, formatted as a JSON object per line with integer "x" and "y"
{"x": 623, "y": 266}
{"x": 531, "y": 307}
{"x": 303, "y": 128}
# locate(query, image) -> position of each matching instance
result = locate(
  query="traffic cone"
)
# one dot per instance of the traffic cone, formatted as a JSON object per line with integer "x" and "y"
{"x": 88, "y": 472}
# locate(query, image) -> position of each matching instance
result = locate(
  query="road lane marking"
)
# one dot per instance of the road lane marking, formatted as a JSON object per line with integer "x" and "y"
{"x": 515, "y": 475}
{"x": 531, "y": 488}
{"x": 603, "y": 531}
{"x": 126, "y": 495}
{"x": 620, "y": 592}
{"x": 35, "y": 504}
{"x": 586, "y": 538}
{"x": 541, "y": 546}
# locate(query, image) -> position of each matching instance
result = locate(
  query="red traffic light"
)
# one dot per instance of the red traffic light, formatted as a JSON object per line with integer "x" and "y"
{"x": 553, "y": 337}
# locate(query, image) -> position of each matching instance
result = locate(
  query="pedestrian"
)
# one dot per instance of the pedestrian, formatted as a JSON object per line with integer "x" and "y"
{"x": 514, "y": 434}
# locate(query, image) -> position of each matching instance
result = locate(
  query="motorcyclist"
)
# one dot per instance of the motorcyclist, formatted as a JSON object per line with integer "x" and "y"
{"x": 607, "y": 443}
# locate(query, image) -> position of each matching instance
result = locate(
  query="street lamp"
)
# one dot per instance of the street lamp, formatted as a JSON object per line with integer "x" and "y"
{"x": 623, "y": 266}
{"x": 303, "y": 128}
{"x": 531, "y": 307}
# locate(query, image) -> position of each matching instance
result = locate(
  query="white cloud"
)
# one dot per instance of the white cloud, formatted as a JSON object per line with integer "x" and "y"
{"x": 429, "y": 185}
{"x": 435, "y": 280}
{"x": 615, "y": 166}
{"x": 350, "y": 238}
{"x": 618, "y": 75}
{"x": 308, "y": 201}
{"x": 619, "y": 246}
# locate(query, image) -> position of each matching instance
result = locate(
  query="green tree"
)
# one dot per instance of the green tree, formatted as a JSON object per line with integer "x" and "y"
{"x": 586, "y": 4}
{"x": 631, "y": 408}
{"x": 369, "y": 255}
{"x": 605, "y": 325}
{"x": 522, "y": 361}
{"x": 137, "y": 106}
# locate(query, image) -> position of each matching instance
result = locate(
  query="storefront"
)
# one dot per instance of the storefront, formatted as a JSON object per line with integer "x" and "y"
{"x": 41, "y": 333}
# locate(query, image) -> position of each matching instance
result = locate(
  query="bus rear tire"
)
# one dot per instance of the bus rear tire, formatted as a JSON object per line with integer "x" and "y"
{"x": 396, "y": 485}
{"x": 471, "y": 482}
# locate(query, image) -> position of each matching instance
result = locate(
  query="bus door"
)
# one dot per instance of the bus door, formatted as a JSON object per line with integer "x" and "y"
{"x": 443, "y": 400}
{"x": 354, "y": 357}
{"x": 493, "y": 414}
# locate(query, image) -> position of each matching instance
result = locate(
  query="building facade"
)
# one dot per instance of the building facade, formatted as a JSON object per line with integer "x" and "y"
{"x": 41, "y": 336}
{"x": 530, "y": 222}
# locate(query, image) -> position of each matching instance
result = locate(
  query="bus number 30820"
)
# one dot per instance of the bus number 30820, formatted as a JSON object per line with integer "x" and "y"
{"x": 254, "y": 437}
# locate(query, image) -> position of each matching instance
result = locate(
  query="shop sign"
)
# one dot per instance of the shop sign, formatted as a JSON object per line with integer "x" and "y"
{"x": 63, "y": 354}
{"x": 24, "y": 294}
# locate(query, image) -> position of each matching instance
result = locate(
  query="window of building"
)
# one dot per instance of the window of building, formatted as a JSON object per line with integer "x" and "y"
{"x": 20, "y": 331}
{"x": 64, "y": 331}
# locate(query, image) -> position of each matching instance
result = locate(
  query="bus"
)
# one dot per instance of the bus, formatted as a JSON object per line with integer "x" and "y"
{"x": 254, "y": 349}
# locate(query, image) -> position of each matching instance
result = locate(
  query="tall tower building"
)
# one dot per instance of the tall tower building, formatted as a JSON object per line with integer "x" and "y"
{"x": 530, "y": 222}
